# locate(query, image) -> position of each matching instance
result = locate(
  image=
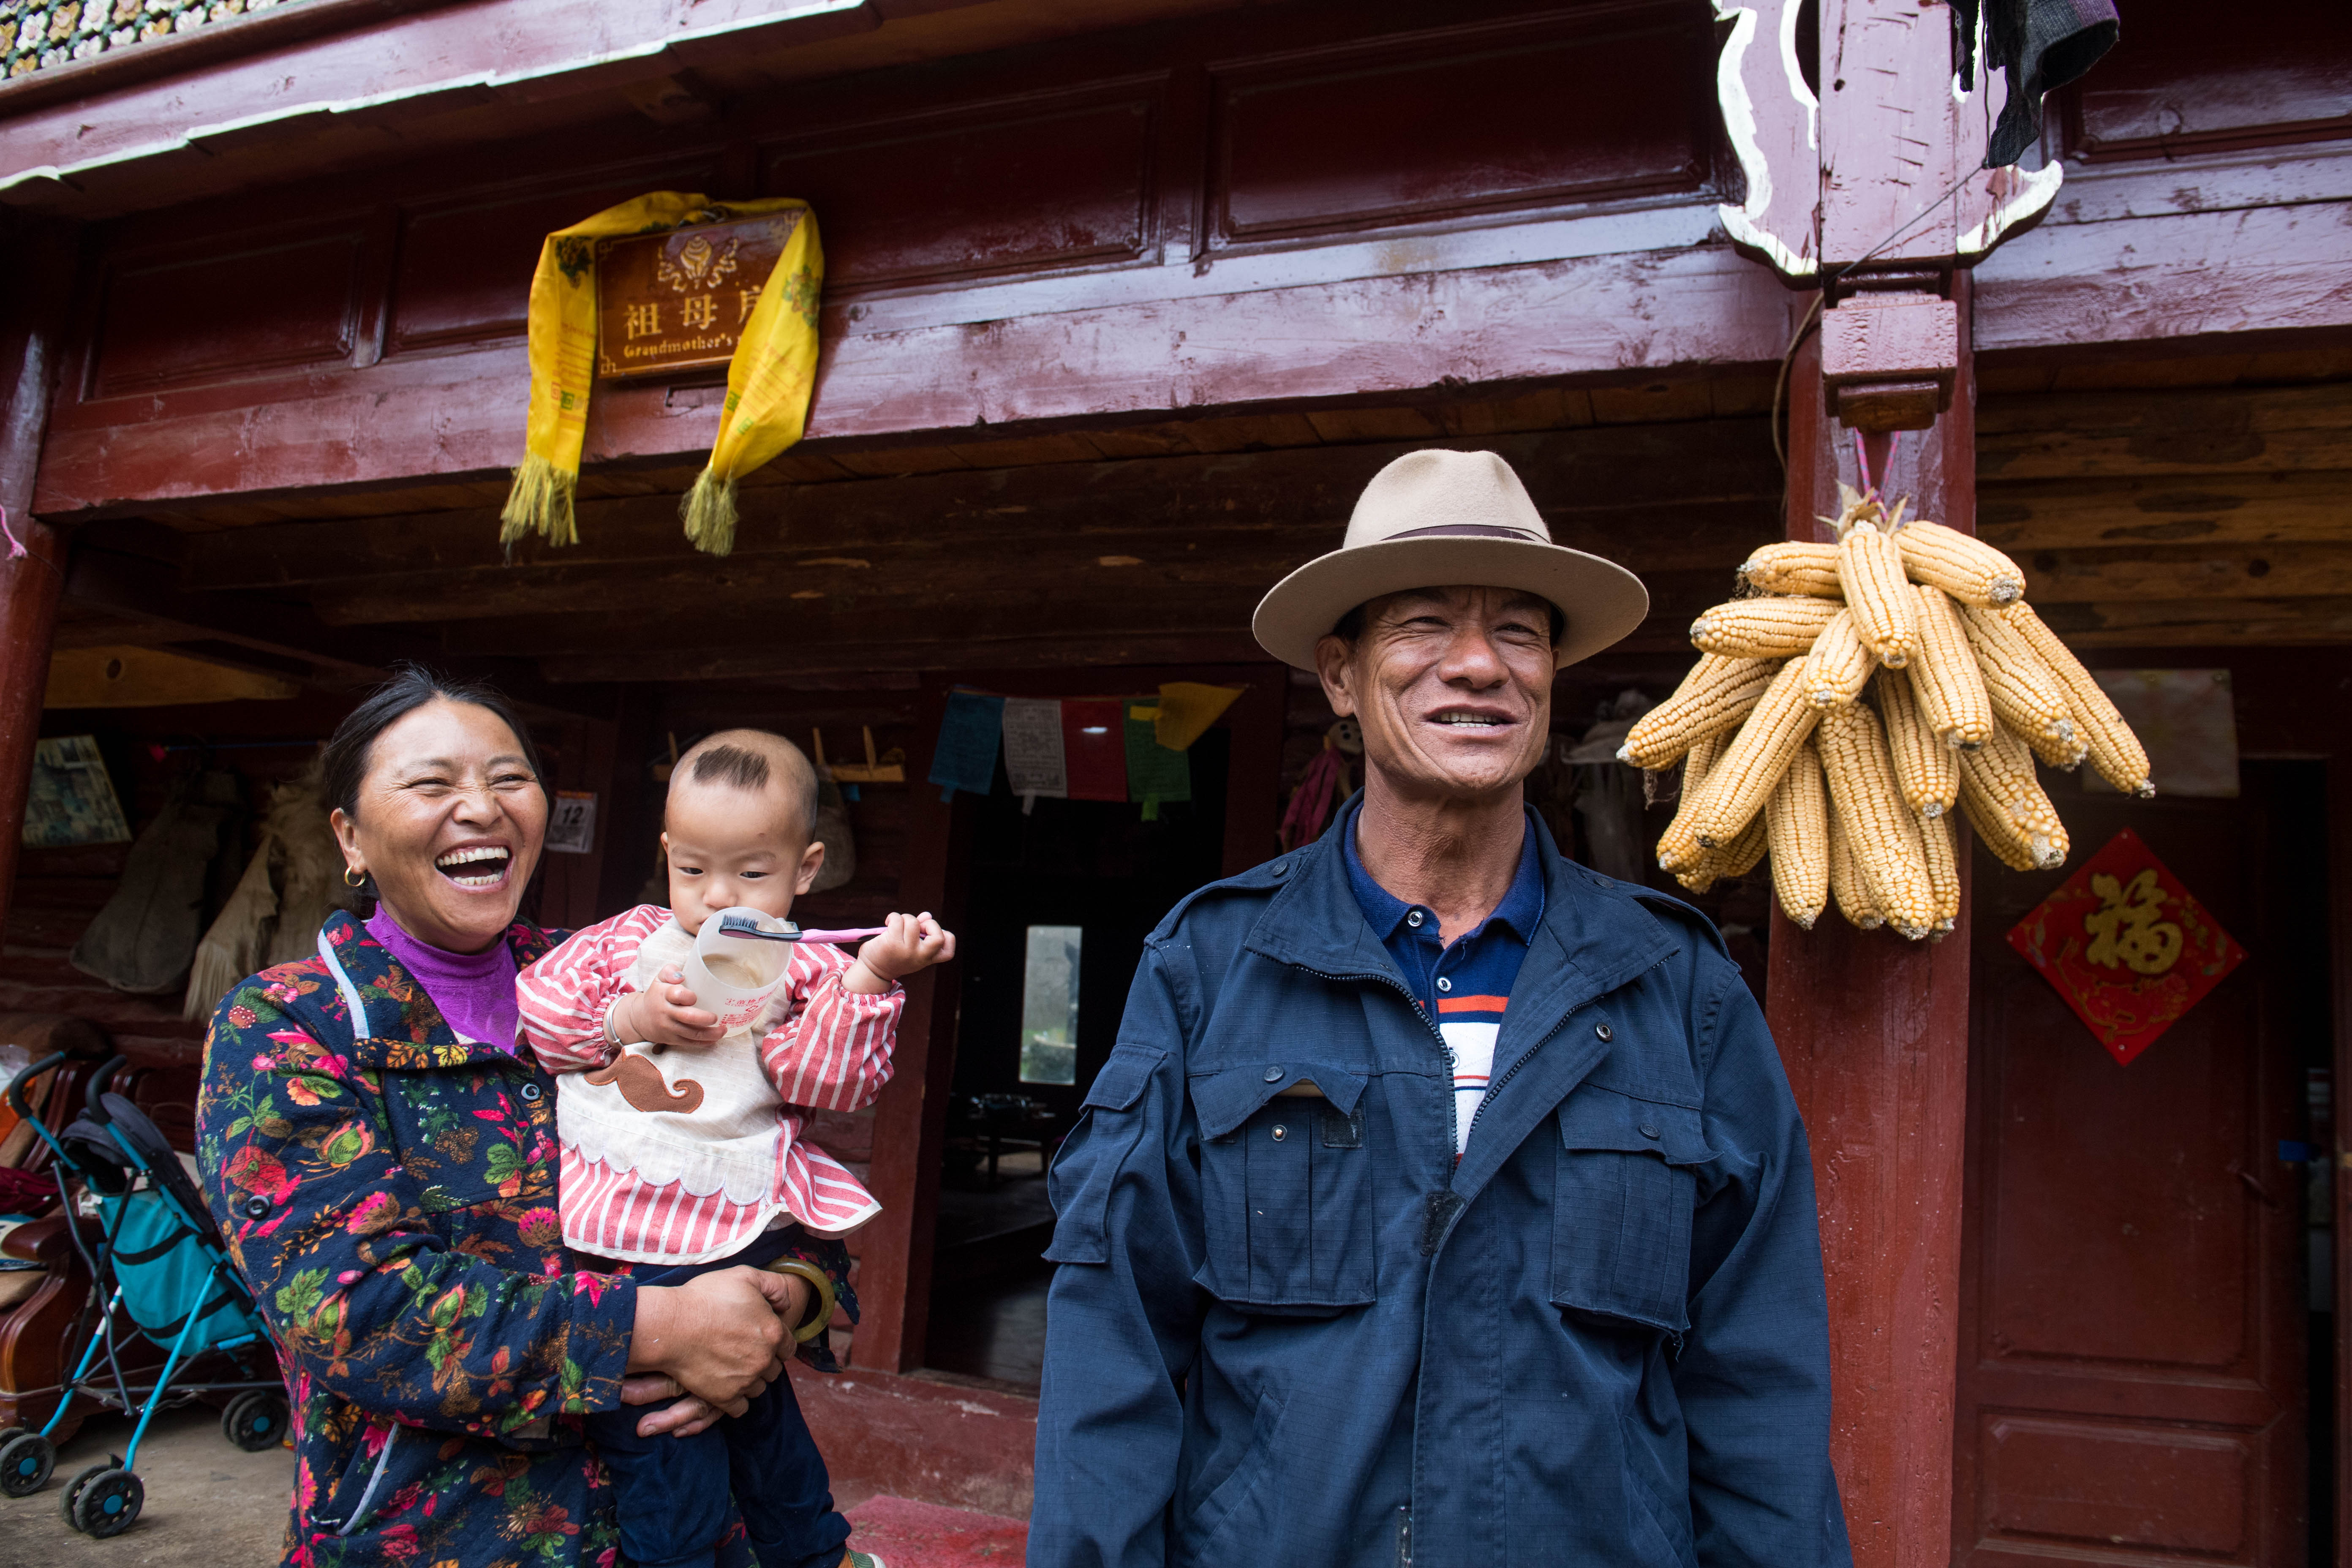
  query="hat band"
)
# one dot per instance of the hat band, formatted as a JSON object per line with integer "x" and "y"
{"x": 1466, "y": 531}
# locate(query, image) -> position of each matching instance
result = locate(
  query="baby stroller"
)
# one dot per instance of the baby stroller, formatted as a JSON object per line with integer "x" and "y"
{"x": 158, "y": 1271}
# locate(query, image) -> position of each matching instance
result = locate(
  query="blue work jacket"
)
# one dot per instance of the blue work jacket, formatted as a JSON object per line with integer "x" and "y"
{"x": 1289, "y": 1327}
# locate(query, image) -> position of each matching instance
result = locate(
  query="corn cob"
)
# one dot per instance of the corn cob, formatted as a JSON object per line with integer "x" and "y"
{"x": 1717, "y": 694}
{"x": 1839, "y": 666}
{"x": 1927, "y": 768}
{"x": 1796, "y": 818}
{"x": 1736, "y": 859}
{"x": 1749, "y": 850}
{"x": 1945, "y": 677}
{"x": 1937, "y": 838}
{"x": 1774, "y": 626}
{"x": 2026, "y": 696}
{"x": 1962, "y": 565}
{"x": 1846, "y": 884}
{"x": 1678, "y": 846}
{"x": 2003, "y": 798}
{"x": 1794, "y": 568}
{"x": 1757, "y": 757}
{"x": 1886, "y": 613}
{"x": 2065, "y": 755}
{"x": 1882, "y": 834}
{"x": 2114, "y": 750}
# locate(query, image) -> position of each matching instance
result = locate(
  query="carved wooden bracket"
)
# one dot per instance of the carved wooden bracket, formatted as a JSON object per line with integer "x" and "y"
{"x": 1874, "y": 187}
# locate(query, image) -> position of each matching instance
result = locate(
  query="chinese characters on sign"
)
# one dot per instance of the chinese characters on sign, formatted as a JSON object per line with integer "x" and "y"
{"x": 679, "y": 300}
{"x": 2127, "y": 945}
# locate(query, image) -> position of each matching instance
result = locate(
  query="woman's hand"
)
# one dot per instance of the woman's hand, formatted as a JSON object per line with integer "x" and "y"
{"x": 666, "y": 1015}
{"x": 723, "y": 1337}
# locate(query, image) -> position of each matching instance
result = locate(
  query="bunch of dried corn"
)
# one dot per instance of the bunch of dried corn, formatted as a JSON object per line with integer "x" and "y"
{"x": 1850, "y": 699}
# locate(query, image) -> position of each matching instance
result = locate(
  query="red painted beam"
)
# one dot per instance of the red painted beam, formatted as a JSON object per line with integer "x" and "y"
{"x": 2167, "y": 274}
{"x": 462, "y": 413}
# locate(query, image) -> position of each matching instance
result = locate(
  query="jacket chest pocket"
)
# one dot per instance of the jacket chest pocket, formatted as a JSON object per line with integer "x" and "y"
{"x": 1286, "y": 1189}
{"x": 473, "y": 1138}
{"x": 1622, "y": 1207}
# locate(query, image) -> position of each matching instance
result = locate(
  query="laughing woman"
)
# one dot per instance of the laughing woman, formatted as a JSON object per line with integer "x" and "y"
{"x": 384, "y": 1161}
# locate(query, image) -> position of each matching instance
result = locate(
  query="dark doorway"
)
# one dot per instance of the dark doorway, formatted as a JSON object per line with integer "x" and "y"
{"x": 1060, "y": 901}
{"x": 2136, "y": 1325}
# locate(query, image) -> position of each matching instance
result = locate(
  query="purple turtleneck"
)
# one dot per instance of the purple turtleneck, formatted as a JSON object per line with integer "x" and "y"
{"x": 474, "y": 991}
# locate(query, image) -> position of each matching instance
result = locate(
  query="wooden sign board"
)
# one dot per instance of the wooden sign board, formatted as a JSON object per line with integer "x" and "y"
{"x": 679, "y": 300}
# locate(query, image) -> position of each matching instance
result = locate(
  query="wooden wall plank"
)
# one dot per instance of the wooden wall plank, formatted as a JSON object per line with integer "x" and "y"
{"x": 2232, "y": 507}
{"x": 2133, "y": 434}
{"x": 2210, "y": 622}
{"x": 1669, "y": 490}
{"x": 2147, "y": 573}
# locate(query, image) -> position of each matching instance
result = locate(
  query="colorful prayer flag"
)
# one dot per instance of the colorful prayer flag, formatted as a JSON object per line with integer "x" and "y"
{"x": 1034, "y": 761}
{"x": 965, "y": 757}
{"x": 1094, "y": 747}
{"x": 1154, "y": 773}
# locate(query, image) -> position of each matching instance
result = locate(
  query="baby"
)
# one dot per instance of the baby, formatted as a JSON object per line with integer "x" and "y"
{"x": 682, "y": 1146}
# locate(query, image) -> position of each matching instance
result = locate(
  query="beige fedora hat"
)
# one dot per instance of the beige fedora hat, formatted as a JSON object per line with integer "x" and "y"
{"x": 1442, "y": 518}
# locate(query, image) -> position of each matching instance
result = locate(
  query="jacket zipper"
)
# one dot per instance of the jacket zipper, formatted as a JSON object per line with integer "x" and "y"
{"x": 1508, "y": 1072}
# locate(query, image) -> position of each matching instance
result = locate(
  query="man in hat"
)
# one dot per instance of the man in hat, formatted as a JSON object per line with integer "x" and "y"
{"x": 1442, "y": 1201}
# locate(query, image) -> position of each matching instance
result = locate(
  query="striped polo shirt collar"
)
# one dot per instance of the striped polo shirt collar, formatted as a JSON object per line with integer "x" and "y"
{"x": 1463, "y": 988}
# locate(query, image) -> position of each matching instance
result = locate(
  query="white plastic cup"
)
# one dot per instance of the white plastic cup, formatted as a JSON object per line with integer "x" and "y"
{"x": 736, "y": 1004}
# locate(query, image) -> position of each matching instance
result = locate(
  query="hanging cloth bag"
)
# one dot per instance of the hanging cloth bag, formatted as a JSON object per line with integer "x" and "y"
{"x": 769, "y": 381}
{"x": 143, "y": 939}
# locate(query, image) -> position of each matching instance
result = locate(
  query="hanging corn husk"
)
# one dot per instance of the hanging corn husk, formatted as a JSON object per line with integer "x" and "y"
{"x": 1855, "y": 696}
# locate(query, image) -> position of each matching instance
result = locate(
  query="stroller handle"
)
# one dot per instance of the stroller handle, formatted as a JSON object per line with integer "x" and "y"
{"x": 97, "y": 1086}
{"x": 16, "y": 1085}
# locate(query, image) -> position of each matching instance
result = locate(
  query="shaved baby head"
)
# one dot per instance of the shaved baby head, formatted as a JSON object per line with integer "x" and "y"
{"x": 755, "y": 761}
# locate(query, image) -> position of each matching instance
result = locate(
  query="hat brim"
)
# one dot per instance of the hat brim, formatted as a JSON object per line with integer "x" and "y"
{"x": 1603, "y": 602}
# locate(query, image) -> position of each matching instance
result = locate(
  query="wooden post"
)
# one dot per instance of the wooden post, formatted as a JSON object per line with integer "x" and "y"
{"x": 32, "y": 318}
{"x": 1873, "y": 1031}
{"x": 894, "y": 1254}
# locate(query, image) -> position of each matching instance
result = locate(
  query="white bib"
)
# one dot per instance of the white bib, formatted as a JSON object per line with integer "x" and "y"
{"x": 703, "y": 1116}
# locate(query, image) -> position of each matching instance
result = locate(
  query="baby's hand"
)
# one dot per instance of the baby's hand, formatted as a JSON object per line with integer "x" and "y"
{"x": 666, "y": 1015}
{"x": 910, "y": 943}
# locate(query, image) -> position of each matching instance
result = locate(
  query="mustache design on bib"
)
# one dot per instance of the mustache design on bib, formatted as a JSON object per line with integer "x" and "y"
{"x": 640, "y": 1083}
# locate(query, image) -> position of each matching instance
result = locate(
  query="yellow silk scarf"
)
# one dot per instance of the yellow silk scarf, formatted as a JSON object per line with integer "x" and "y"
{"x": 767, "y": 381}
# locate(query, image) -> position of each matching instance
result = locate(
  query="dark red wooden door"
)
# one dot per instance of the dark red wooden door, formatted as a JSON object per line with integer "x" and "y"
{"x": 2132, "y": 1319}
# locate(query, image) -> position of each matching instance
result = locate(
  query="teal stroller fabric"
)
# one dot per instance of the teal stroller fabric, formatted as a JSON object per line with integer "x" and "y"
{"x": 166, "y": 1273}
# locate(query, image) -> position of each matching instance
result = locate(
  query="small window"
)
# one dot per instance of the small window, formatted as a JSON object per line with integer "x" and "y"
{"x": 1049, "y": 1006}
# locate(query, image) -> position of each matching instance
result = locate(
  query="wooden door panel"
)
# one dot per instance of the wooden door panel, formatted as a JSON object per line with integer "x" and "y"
{"x": 2104, "y": 1483}
{"x": 2131, "y": 1324}
{"x": 2152, "y": 1215}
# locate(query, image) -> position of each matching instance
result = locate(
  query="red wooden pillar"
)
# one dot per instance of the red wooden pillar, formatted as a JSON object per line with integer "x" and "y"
{"x": 1875, "y": 1031}
{"x": 32, "y": 319}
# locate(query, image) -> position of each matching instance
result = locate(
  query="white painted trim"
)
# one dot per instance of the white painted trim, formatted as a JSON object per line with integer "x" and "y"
{"x": 1744, "y": 222}
{"x": 492, "y": 81}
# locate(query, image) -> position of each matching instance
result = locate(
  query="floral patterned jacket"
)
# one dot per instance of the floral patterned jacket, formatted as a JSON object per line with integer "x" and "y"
{"x": 388, "y": 1191}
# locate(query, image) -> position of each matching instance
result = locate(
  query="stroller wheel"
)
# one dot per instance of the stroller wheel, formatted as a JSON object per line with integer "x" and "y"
{"x": 110, "y": 1501}
{"x": 26, "y": 1461}
{"x": 72, "y": 1494}
{"x": 255, "y": 1420}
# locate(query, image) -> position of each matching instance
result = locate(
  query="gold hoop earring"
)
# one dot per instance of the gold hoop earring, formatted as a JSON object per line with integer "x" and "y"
{"x": 354, "y": 880}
